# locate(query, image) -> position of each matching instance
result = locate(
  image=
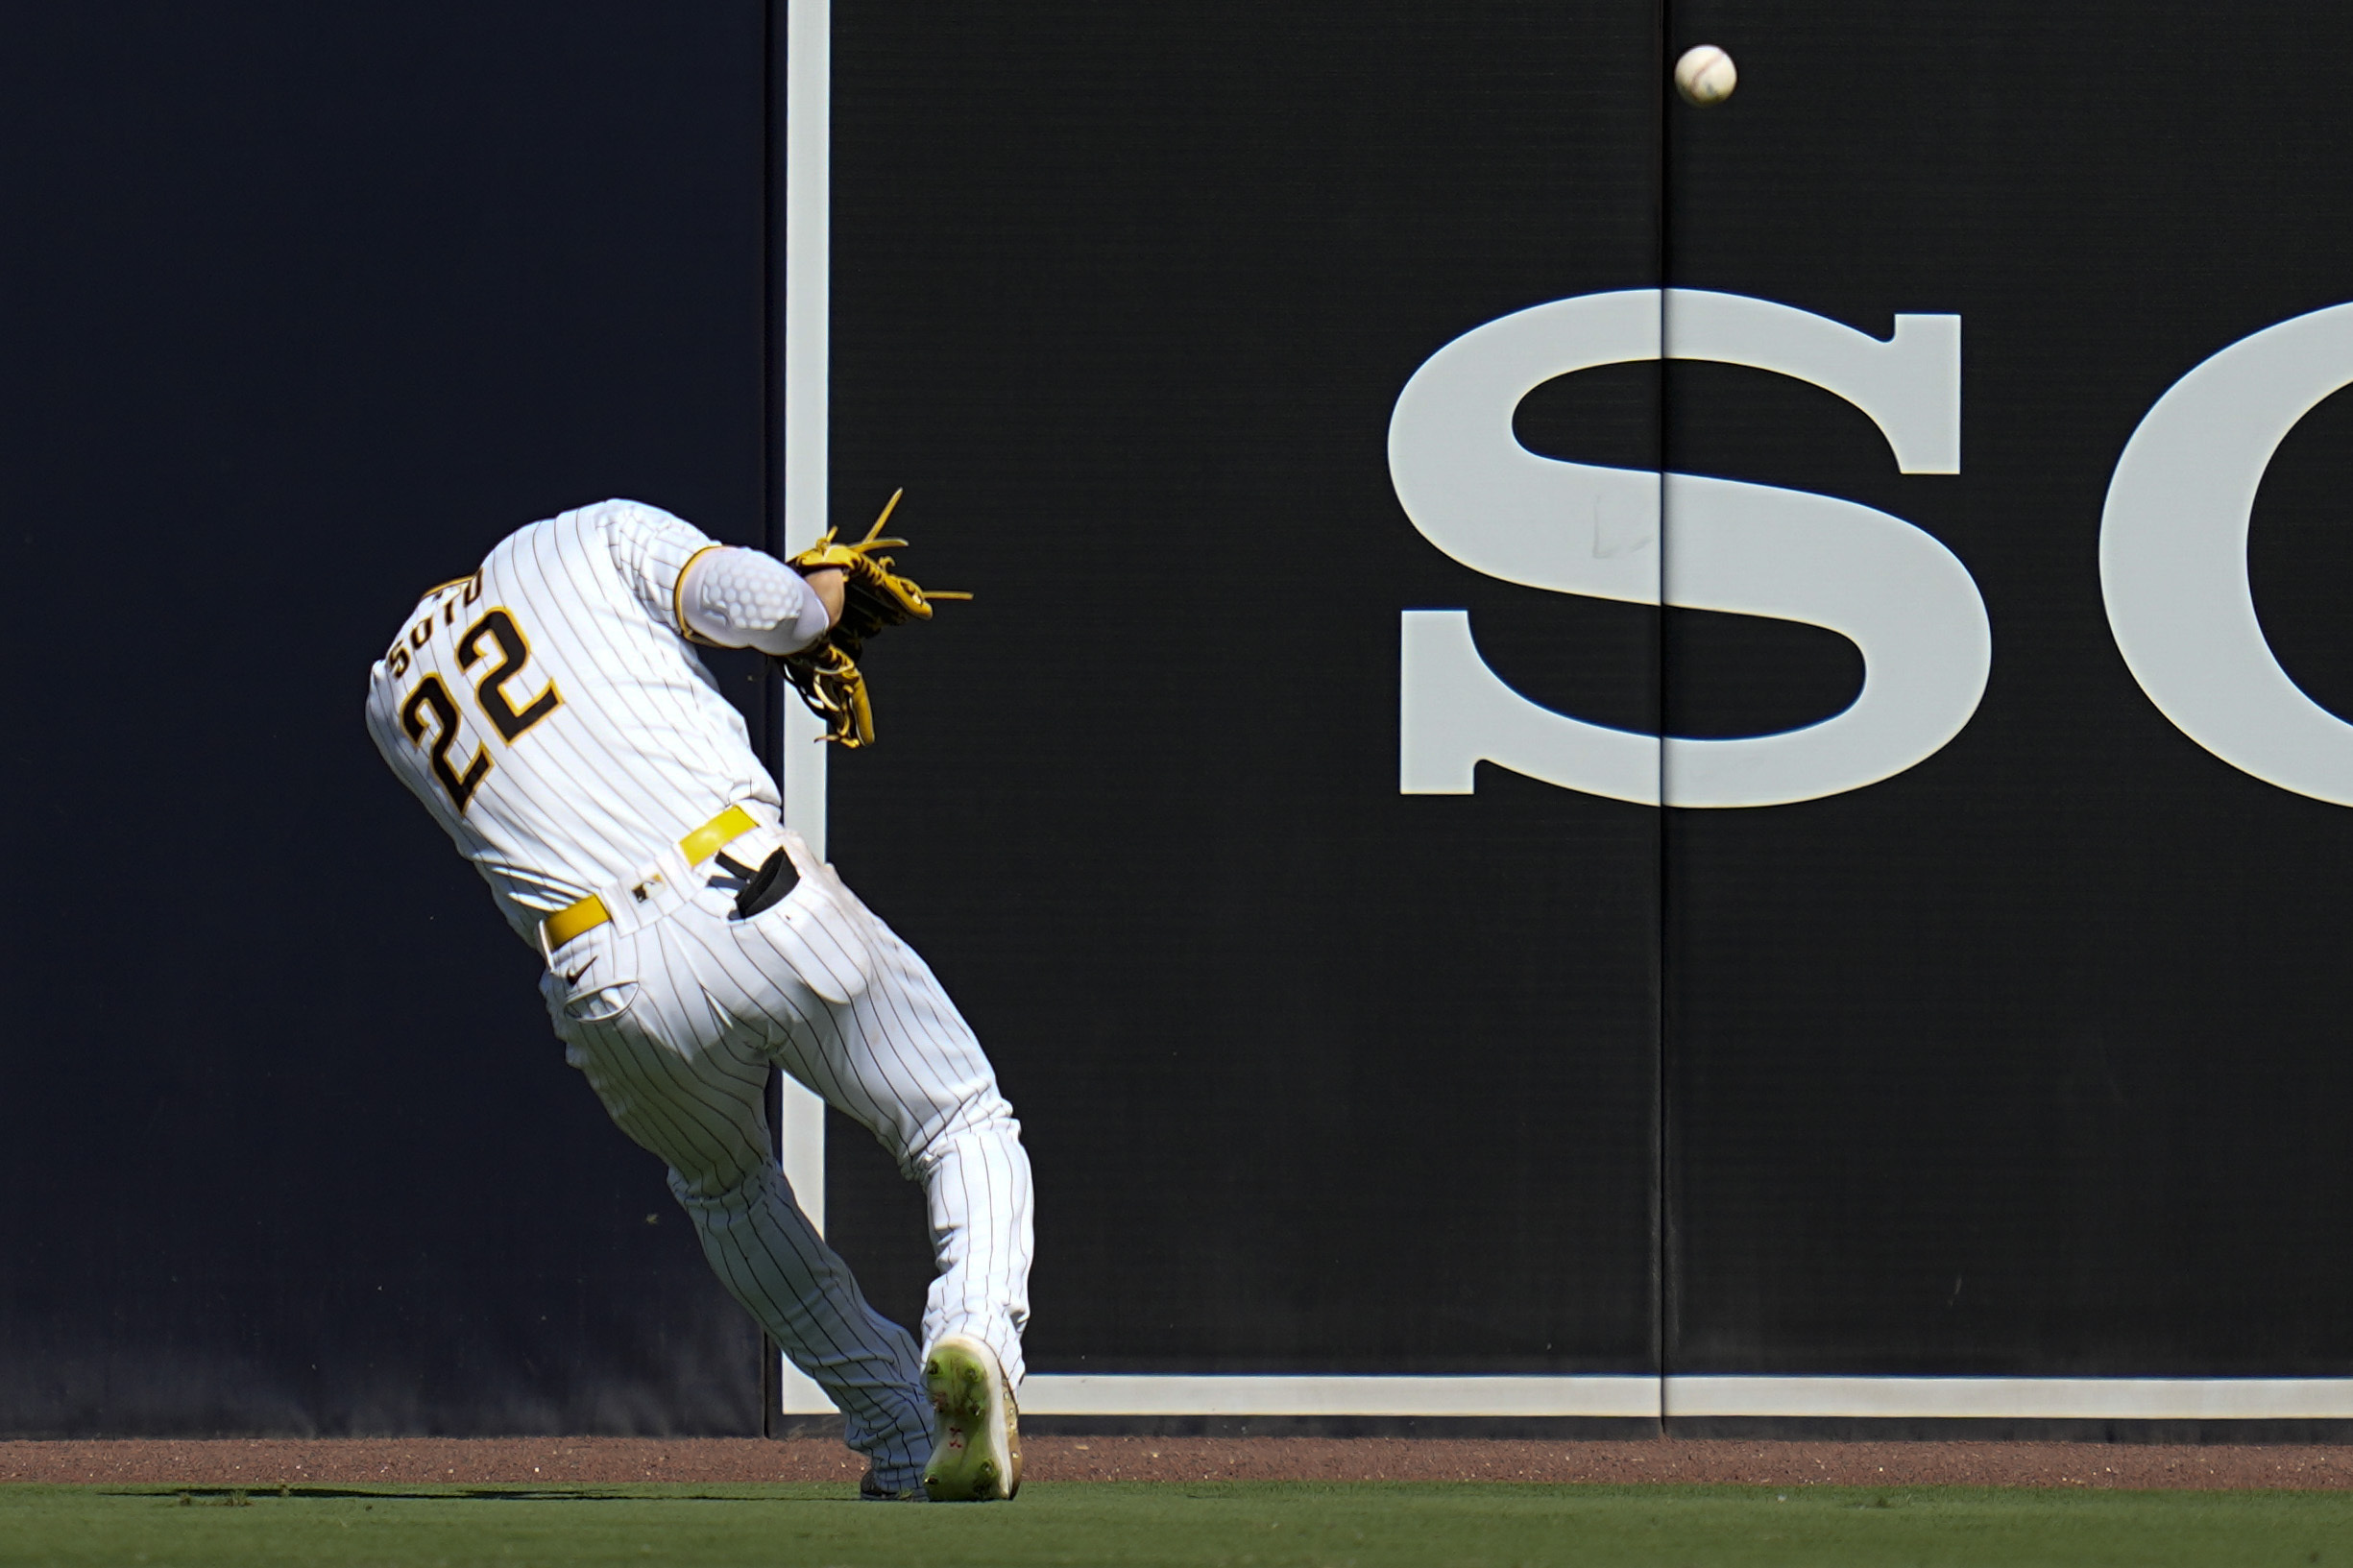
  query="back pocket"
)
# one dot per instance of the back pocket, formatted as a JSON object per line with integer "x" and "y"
{"x": 603, "y": 1002}
{"x": 820, "y": 944}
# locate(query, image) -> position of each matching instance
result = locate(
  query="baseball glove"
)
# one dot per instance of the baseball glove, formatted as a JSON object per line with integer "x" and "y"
{"x": 874, "y": 597}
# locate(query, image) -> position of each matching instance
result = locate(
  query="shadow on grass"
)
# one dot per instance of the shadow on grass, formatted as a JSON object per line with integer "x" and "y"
{"x": 215, "y": 1496}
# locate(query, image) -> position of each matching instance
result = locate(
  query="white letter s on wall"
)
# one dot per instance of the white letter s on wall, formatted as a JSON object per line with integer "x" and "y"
{"x": 1475, "y": 493}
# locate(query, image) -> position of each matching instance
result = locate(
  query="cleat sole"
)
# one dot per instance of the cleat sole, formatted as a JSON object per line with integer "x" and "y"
{"x": 977, "y": 1457}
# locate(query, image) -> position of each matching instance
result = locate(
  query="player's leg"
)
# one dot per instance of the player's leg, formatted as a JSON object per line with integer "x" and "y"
{"x": 900, "y": 1060}
{"x": 861, "y": 1019}
{"x": 698, "y": 1104}
{"x": 966, "y": 1146}
{"x": 976, "y": 1184}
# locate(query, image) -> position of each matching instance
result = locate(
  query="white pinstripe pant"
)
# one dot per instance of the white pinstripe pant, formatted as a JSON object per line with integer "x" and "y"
{"x": 676, "y": 1010}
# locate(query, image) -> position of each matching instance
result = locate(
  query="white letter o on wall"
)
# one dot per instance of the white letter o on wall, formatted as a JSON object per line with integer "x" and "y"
{"x": 2172, "y": 555}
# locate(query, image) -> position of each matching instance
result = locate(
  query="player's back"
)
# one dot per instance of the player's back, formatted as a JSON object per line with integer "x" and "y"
{"x": 552, "y": 717}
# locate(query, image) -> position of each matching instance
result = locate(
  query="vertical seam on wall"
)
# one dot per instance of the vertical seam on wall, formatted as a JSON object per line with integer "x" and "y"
{"x": 1662, "y": 1258}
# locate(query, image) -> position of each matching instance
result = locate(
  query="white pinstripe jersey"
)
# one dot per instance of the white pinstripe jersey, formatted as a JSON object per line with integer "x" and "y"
{"x": 553, "y": 717}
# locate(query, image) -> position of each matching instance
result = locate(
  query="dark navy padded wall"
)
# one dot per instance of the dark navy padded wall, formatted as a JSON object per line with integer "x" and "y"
{"x": 308, "y": 306}
{"x": 1317, "y": 1077}
{"x": 2026, "y": 1060}
{"x": 2030, "y": 1060}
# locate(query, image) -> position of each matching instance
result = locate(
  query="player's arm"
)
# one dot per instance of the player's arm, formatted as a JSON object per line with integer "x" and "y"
{"x": 742, "y": 599}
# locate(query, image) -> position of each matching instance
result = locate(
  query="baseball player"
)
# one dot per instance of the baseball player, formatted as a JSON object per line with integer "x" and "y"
{"x": 551, "y": 712}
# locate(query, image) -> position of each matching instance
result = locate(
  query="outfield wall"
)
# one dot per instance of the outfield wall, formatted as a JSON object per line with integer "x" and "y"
{"x": 1285, "y": 811}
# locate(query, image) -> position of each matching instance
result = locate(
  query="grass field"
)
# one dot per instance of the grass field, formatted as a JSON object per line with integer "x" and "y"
{"x": 1230, "y": 1524}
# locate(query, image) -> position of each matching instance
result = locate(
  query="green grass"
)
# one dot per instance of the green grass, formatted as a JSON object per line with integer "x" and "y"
{"x": 1230, "y": 1524}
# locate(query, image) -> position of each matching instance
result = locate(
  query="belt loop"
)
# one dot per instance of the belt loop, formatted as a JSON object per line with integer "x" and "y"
{"x": 671, "y": 871}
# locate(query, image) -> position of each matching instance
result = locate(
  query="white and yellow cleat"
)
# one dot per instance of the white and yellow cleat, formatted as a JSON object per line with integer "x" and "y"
{"x": 977, "y": 1457}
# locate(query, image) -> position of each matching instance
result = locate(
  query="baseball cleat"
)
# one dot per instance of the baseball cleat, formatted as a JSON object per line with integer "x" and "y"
{"x": 871, "y": 1490}
{"x": 978, "y": 1456}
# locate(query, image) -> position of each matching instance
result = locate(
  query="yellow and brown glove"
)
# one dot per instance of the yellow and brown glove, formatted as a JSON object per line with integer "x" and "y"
{"x": 874, "y": 596}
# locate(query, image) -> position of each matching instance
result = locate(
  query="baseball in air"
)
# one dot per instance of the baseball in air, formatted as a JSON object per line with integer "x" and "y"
{"x": 1704, "y": 75}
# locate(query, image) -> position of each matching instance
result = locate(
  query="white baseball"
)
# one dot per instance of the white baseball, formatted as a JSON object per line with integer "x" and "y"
{"x": 1704, "y": 75}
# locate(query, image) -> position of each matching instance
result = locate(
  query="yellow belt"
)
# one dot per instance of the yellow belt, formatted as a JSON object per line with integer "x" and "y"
{"x": 700, "y": 845}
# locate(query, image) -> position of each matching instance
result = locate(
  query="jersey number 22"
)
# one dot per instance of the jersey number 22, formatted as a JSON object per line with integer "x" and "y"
{"x": 431, "y": 708}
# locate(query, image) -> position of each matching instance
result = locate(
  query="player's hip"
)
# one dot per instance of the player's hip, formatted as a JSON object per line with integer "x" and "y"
{"x": 753, "y": 933}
